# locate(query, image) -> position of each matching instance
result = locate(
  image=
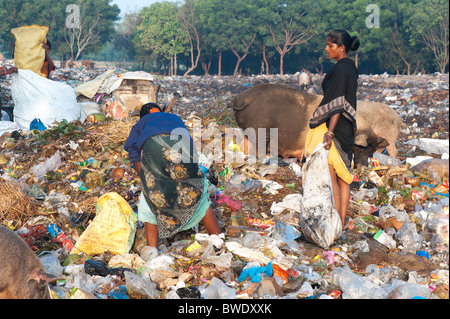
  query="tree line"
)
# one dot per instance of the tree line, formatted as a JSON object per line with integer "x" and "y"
{"x": 240, "y": 36}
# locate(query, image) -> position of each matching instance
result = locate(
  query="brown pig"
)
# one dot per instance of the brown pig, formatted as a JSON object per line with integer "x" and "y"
{"x": 383, "y": 120}
{"x": 288, "y": 109}
{"x": 22, "y": 275}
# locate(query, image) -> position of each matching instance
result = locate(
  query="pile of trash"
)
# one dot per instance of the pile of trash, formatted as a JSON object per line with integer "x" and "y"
{"x": 61, "y": 185}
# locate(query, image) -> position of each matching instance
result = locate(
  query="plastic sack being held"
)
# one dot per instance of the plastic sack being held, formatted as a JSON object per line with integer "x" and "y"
{"x": 28, "y": 51}
{"x": 319, "y": 220}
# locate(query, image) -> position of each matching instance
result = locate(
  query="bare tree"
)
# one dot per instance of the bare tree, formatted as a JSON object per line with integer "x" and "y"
{"x": 236, "y": 53}
{"x": 266, "y": 63}
{"x": 437, "y": 39}
{"x": 189, "y": 23}
{"x": 397, "y": 47}
{"x": 292, "y": 37}
{"x": 206, "y": 67}
{"x": 84, "y": 35}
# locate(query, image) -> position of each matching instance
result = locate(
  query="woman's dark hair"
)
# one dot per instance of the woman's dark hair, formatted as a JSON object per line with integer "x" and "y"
{"x": 49, "y": 44}
{"x": 145, "y": 109}
{"x": 341, "y": 37}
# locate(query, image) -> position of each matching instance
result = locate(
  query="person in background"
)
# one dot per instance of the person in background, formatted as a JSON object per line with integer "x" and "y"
{"x": 3, "y": 72}
{"x": 334, "y": 121}
{"x": 48, "y": 66}
{"x": 174, "y": 194}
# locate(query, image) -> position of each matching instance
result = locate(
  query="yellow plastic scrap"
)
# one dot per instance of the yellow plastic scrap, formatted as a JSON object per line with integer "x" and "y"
{"x": 28, "y": 51}
{"x": 194, "y": 246}
{"x": 113, "y": 228}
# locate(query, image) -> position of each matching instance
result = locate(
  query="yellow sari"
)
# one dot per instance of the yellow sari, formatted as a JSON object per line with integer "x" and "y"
{"x": 314, "y": 137}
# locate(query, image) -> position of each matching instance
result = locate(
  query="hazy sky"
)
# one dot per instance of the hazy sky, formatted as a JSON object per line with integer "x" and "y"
{"x": 132, "y": 5}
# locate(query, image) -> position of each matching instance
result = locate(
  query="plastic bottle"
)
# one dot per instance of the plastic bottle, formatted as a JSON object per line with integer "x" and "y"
{"x": 385, "y": 239}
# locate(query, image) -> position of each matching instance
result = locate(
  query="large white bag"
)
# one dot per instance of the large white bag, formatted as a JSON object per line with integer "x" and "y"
{"x": 319, "y": 220}
{"x": 37, "y": 97}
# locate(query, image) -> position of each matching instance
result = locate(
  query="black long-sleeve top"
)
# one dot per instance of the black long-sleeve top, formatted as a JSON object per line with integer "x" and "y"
{"x": 339, "y": 87}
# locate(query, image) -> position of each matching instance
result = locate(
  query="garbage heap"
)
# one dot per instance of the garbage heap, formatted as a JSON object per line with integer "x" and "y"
{"x": 60, "y": 186}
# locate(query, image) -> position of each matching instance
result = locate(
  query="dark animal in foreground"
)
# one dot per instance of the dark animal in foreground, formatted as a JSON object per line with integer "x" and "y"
{"x": 22, "y": 275}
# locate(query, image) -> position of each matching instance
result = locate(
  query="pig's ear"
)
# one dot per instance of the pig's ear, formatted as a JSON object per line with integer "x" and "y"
{"x": 42, "y": 278}
{"x": 382, "y": 143}
{"x": 361, "y": 140}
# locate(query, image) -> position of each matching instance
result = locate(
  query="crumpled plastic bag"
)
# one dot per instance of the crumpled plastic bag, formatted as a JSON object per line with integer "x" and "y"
{"x": 50, "y": 164}
{"x": 408, "y": 236}
{"x": 290, "y": 202}
{"x": 286, "y": 233}
{"x": 410, "y": 291}
{"x": 319, "y": 220}
{"x": 358, "y": 287}
{"x": 233, "y": 204}
{"x": 140, "y": 288}
{"x": 431, "y": 145}
{"x": 218, "y": 290}
{"x": 116, "y": 109}
{"x": 216, "y": 240}
{"x": 440, "y": 228}
{"x": 221, "y": 261}
{"x": 256, "y": 272}
{"x": 113, "y": 228}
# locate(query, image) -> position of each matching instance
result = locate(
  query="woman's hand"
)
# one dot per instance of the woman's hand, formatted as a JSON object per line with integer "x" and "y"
{"x": 329, "y": 135}
{"x": 12, "y": 70}
{"x": 4, "y": 71}
{"x": 46, "y": 47}
{"x": 328, "y": 140}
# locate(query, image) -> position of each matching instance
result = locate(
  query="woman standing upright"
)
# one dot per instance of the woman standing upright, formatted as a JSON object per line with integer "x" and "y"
{"x": 334, "y": 120}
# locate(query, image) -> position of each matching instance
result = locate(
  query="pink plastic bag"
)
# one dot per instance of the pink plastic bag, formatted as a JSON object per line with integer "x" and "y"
{"x": 116, "y": 110}
{"x": 233, "y": 204}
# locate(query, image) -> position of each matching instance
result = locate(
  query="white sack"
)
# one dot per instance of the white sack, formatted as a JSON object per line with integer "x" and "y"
{"x": 90, "y": 88}
{"x": 37, "y": 97}
{"x": 5, "y": 117}
{"x": 8, "y": 127}
{"x": 319, "y": 220}
{"x": 108, "y": 82}
{"x": 113, "y": 83}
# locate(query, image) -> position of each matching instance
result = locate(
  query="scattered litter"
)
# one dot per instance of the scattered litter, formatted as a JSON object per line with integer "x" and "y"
{"x": 54, "y": 183}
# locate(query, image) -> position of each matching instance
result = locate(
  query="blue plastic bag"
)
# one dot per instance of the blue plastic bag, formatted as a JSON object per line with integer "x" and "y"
{"x": 255, "y": 273}
{"x": 423, "y": 253}
{"x": 37, "y": 124}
